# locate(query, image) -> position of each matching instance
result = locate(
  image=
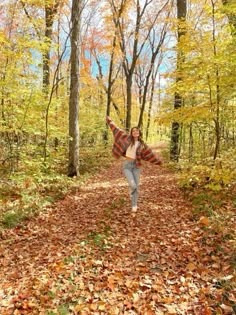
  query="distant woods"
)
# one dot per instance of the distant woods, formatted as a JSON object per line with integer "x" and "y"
{"x": 166, "y": 66}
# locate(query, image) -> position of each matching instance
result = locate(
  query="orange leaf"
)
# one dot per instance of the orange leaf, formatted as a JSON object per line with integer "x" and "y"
{"x": 191, "y": 266}
{"x": 204, "y": 221}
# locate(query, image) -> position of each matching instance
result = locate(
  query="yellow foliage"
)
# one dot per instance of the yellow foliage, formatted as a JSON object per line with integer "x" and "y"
{"x": 3, "y": 39}
{"x": 186, "y": 115}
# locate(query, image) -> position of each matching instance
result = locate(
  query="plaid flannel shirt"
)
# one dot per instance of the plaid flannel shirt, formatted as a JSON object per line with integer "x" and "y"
{"x": 122, "y": 142}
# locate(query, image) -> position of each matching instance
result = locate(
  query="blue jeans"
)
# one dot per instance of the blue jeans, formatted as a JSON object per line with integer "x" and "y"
{"x": 132, "y": 174}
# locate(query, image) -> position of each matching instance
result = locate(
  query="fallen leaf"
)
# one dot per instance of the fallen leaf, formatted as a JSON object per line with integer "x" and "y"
{"x": 191, "y": 266}
{"x": 204, "y": 221}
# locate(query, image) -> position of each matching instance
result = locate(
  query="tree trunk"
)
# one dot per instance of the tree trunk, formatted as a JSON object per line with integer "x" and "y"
{"x": 109, "y": 86}
{"x": 50, "y": 12}
{"x": 73, "y": 166}
{"x": 191, "y": 142}
{"x": 154, "y": 75}
{"x": 128, "y": 101}
{"x": 174, "y": 149}
{"x": 229, "y": 4}
{"x": 217, "y": 120}
{"x": 218, "y": 99}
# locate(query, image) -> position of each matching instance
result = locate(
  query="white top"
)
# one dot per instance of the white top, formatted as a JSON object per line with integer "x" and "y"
{"x": 131, "y": 151}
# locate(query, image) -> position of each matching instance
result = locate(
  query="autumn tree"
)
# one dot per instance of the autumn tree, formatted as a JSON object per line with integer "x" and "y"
{"x": 207, "y": 83}
{"x": 50, "y": 12}
{"x": 133, "y": 34}
{"x": 50, "y": 8}
{"x": 100, "y": 49}
{"x": 19, "y": 83}
{"x": 155, "y": 42}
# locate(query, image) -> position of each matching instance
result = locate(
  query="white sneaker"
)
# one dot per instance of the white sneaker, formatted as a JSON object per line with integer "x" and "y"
{"x": 134, "y": 209}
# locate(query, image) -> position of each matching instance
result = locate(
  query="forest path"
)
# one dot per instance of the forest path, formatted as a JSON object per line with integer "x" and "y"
{"x": 90, "y": 255}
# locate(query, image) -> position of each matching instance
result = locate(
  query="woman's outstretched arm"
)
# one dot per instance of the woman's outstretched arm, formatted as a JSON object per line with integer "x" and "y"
{"x": 117, "y": 132}
{"x": 149, "y": 156}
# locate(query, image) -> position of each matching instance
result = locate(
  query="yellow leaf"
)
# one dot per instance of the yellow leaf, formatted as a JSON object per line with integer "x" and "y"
{"x": 115, "y": 310}
{"x": 191, "y": 266}
{"x": 167, "y": 300}
{"x": 171, "y": 309}
{"x": 93, "y": 307}
{"x": 78, "y": 308}
{"x": 128, "y": 283}
{"x": 166, "y": 273}
{"x": 182, "y": 279}
{"x": 135, "y": 297}
{"x": 101, "y": 306}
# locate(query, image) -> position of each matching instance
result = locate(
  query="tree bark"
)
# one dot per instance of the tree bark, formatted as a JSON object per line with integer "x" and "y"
{"x": 128, "y": 100}
{"x": 154, "y": 75}
{"x": 50, "y": 12}
{"x": 181, "y": 15}
{"x": 73, "y": 166}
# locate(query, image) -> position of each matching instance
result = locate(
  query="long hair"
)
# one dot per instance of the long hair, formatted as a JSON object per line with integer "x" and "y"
{"x": 143, "y": 145}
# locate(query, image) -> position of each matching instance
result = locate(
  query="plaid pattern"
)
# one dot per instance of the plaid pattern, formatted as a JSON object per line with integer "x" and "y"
{"x": 123, "y": 140}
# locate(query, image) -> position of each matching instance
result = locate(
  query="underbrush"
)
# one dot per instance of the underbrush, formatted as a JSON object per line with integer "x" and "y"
{"x": 22, "y": 195}
{"x": 38, "y": 185}
{"x": 210, "y": 186}
{"x": 215, "y": 175}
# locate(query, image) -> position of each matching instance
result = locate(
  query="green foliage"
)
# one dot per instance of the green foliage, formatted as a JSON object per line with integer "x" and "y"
{"x": 206, "y": 85}
{"x": 70, "y": 259}
{"x": 233, "y": 258}
{"x": 205, "y": 204}
{"x": 12, "y": 218}
{"x": 24, "y": 195}
{"x": 37, "y": 184}
{"x": 213, "y": 175}
{"x": 117, "y": 203}
{"x": 99, "y": 239}
{"x": 210, "y": 186}
{"x": 93, "y": 158}
{"x": 63, "y": 309}
{"x": 234, "y": 202}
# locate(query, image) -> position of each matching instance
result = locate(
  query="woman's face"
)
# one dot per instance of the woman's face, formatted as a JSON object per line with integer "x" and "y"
{"x": 135, "y": 132}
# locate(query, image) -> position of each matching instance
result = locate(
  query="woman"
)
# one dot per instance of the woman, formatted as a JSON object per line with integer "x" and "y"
{"x": 133, "y": 148}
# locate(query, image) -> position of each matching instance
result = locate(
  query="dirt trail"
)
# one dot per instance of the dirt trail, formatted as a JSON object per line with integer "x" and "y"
{"x": 90, "y": 245}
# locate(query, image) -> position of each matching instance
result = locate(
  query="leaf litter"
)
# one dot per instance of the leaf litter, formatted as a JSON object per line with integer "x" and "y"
{"x": 89, "y": 254}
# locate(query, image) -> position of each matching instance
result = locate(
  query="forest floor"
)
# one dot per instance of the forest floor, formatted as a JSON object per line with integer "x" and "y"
{"x": 89, "y": 254}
